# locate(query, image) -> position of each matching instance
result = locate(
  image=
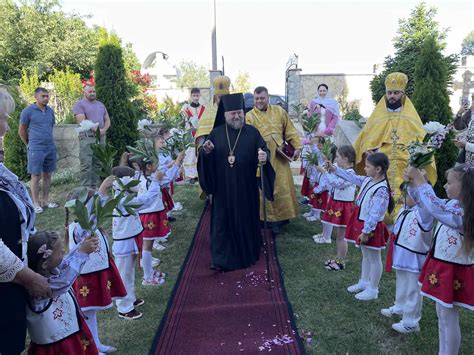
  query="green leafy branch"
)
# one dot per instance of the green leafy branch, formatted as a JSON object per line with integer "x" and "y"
{"x": 311, "y": 158}
{"x": 144, "y": 151}
{"x": 100, "y": 213}
{"x": 326, "y": 149}
{"x": 179, "y": 142}
{"x": 105, "y": 154}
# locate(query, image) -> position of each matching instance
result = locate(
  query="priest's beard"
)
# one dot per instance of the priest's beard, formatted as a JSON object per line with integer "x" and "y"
{"x": 393, "y": 105}
{"x": 236, "y": 123}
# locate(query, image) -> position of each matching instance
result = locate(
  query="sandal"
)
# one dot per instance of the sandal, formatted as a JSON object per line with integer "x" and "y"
{"x": 329, "y": 261}
{"x": 336, "y": 266}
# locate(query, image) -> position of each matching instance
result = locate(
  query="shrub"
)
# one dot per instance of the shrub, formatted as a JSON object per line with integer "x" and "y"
{"x": 113, "y": 90}
{"x": 15, "y": 150}
{"x": 431, "y": 100}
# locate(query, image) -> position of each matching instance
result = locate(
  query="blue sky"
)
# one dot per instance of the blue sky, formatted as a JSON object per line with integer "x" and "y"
{"x": 258, "y": 37}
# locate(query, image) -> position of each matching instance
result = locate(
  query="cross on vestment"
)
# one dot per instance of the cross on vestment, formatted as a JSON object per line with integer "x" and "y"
{"x": 395, "y": 139}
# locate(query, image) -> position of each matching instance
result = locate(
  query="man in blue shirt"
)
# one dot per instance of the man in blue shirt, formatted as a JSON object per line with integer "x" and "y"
{"x": 36, "y": 131}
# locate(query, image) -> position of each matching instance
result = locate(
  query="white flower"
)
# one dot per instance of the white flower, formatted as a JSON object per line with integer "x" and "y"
{"x": 86, "y": 125}
{"x": 433, "y": 127}
{"x": 142, "y": 124}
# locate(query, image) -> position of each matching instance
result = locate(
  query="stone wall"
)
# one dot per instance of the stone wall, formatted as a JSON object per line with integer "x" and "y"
{"x": 346, "y": 133}
{"x": 302, "y": 88}
{"x": 67, "y": 145}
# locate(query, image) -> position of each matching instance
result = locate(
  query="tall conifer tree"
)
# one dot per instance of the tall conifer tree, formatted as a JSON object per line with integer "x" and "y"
{"x": 431, "y": 99}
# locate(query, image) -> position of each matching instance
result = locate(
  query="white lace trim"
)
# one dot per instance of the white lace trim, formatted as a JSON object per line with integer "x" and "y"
{"x": 10, "y": 264}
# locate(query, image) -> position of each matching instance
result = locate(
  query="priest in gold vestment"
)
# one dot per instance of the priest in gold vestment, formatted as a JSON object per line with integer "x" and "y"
{"x": 275, "y": 127}
{"x": 394, "y": 123}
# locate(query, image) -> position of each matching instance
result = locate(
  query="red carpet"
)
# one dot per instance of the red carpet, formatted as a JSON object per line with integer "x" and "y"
{"x": 226, "y": 313}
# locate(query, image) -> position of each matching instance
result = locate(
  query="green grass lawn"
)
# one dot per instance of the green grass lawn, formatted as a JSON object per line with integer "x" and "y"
{"x": 338, "y": 322}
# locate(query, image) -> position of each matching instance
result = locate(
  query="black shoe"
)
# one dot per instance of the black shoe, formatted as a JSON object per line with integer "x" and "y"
{"x": 138, "y": 302}
{"x": 193, "y": 181}
{"x": 171, "y": 219}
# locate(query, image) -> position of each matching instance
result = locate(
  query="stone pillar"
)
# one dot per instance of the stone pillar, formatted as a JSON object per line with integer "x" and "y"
{"x": 212, "y": 75}
{"x": 293, "y": 90}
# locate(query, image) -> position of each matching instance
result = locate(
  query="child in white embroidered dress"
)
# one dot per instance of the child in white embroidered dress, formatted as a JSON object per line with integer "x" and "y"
{"x": 55, "y": 325}
{"x": 366, "y": 227}
{"x": 154, "y": 221}
{"x": 100, "y": 282}
{"x": 315, "y": 199}
{"x": 340, "y": 203}
{"x": 409, "y": 245}
{"x": 170, "y": 169}
{"x": 447, "y": 276}
{"x": 125, "y": 230}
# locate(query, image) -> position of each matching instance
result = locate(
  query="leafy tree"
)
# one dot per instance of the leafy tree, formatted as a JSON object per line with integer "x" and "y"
{"x": 15, "y": 150}
{"x": 28, "y": 83}
{"x": 408, "y": 45}
{"x": 67, "y": 89}
{"x": 431, "y": 99}
{"x": 113, "y": 90}
{"x": 468, "y": 44}
{"x": 38, "y": 35}
{"x": 192, "y": 75}
{"x": 242, "y": 82}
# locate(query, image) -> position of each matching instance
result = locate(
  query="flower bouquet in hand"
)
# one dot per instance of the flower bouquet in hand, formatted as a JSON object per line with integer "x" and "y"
{"x": 435, "y": 133}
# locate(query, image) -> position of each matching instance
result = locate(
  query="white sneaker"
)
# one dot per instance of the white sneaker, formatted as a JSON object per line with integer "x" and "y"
{"x": 312, "y": 218}
{"x": 177, "y": 206}
{"x": 360, "y": 286}
{"x": 321, "y": 240}
{"x": 155, "y": 262}
{"x": 367, "y": 295}
{"x": 390, "y": 312}
{"x": 307, "y": 214}
{"x": 399, "y": 327}
{"x": 317, "y": 236}
{"x": 158, "y": 246}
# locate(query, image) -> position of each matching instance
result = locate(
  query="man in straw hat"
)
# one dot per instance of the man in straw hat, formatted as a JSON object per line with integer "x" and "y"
{"x": 227, "y": 167}
{"x": 394, "y": 124}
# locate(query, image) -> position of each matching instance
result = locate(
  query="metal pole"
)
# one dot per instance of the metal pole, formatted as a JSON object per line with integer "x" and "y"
{"x": 214, "y": 41}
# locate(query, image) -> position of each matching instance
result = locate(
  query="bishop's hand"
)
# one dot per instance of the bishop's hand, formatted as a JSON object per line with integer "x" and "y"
{"x": 208, "y": 146}
{"x": 262, "y": 156}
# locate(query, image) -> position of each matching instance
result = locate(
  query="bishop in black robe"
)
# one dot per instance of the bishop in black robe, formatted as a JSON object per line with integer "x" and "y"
{"x": 235, "y": 223}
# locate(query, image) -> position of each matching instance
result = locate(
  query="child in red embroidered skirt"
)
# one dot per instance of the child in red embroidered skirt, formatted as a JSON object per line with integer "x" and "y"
{"x": 447, "y": 276}
{"x": 55, "y": 325}
{"x": 154, "y": 221}
{"x": 100, "y": 282}
{"x": 366, "y": 227}
{"x": 340, "y": 204}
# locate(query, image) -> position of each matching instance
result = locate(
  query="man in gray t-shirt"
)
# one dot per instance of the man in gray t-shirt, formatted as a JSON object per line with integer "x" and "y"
{"x": 36, "y": 131}
{"x": 90, "y": 109}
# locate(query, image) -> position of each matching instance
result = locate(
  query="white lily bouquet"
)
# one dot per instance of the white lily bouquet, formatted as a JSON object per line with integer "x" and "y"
{"x": 143, "y": 125}
{"x": 421, "y": 153}
{"x": 85, "y": 126}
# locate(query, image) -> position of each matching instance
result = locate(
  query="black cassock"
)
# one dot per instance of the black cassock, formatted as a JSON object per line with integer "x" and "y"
{"x": 235, "y": 223}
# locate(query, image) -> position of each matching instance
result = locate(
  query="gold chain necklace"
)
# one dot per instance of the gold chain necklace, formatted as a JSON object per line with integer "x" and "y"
{"x": 231, "y": 157}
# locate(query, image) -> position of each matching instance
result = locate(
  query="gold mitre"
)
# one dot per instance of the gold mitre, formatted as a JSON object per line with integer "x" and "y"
{"x": 396, "y": 82}
{"x": 221, "y": 85}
